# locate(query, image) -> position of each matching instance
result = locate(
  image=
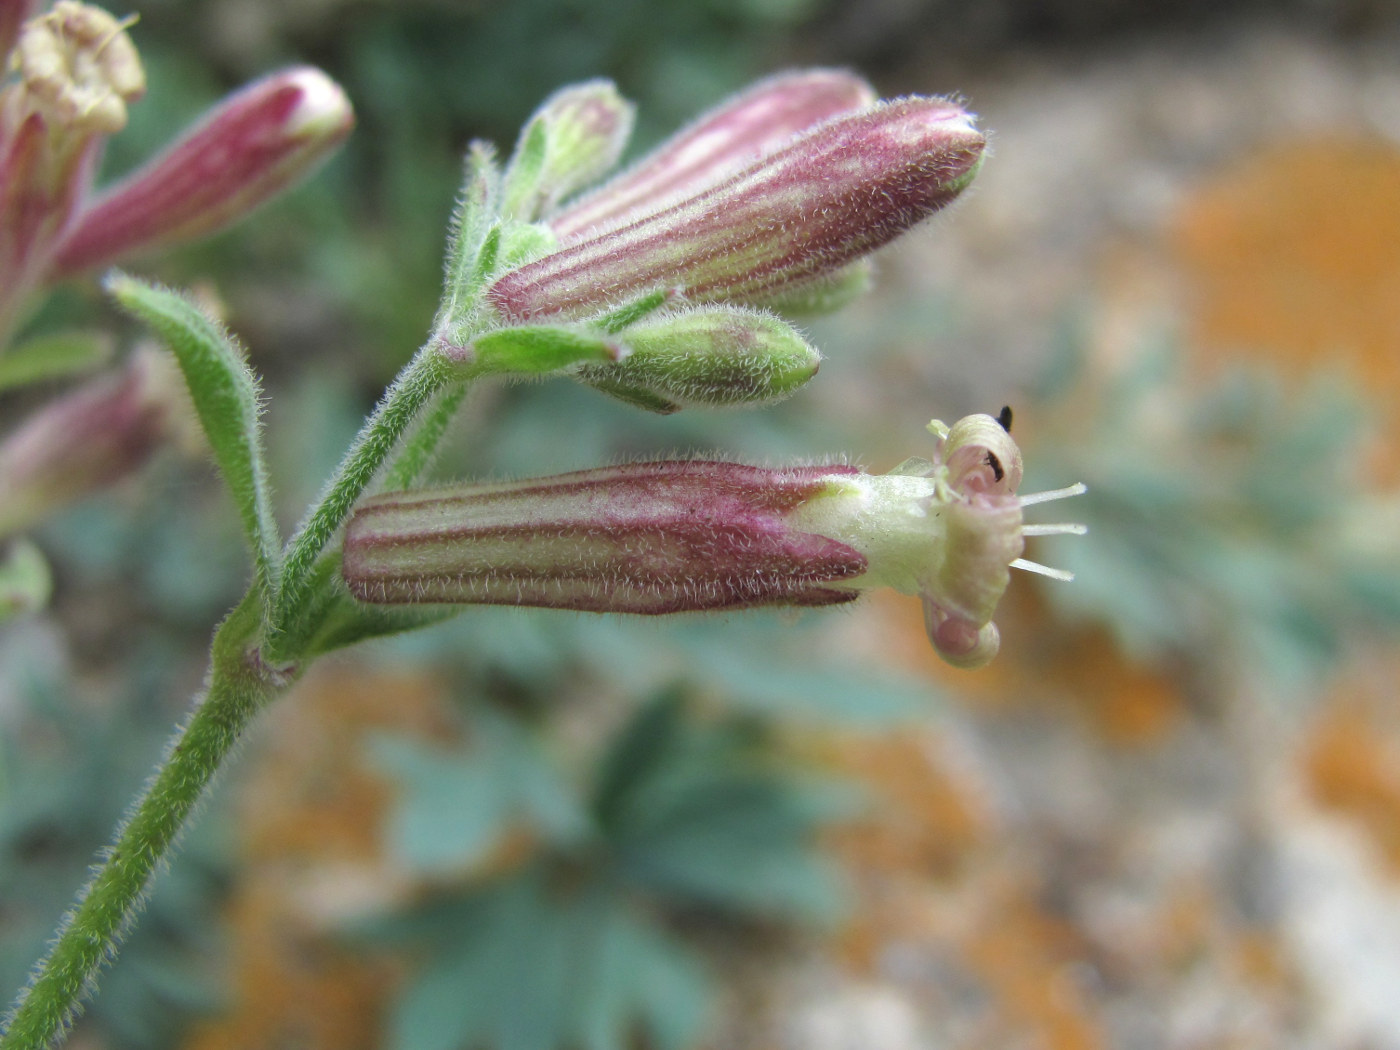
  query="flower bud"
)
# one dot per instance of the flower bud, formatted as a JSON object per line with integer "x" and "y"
{"x": 721, "y": 142}
{"x": 573, "y": 139}
{"x": 87, "y": 439}
{"x": 806, "y": 211}
{"x": 250, "y": 147}
{"x": 691, "y": 535}
{"x": 716, "y": 355}
{"x": 642, "y": 538}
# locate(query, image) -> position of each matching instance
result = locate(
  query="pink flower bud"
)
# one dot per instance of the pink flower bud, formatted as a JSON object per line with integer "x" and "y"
{"x": 690, "y": 535}
{"x": 88, "y": 439}
{"x": 249, "y": 148}
{"x": 831, "y": 195}
{"x": 721, "y": 142}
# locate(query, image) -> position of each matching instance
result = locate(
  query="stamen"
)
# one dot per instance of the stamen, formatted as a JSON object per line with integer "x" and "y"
{"x": 1042, "y": 570}
{"x": 1077, "y": 489}
{"x": 1061, "y": 529}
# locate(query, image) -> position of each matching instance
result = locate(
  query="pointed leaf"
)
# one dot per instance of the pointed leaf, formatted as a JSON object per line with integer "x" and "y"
{"x": 226, "y": 399}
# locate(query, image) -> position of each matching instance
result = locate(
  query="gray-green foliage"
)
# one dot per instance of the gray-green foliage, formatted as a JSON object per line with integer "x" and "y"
{"x": 1228, "y": 520}
{"x": 579, "y": 946}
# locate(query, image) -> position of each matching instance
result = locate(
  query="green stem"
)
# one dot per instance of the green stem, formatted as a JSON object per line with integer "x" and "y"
{"x": 420, "y": 447}
{"x": 412, "y": 390}
{"x": 238, "y": 687}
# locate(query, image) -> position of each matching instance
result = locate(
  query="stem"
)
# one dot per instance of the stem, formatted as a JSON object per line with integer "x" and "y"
{"x": 238, "y": 687}
{"x": 420, "y": 447}
{"x": 414, "y": 388}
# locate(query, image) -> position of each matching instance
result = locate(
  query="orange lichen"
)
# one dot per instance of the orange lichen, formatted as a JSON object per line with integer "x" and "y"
{"x": 919, "y": 828}
{"x": 1353, "y": 767}
{"x": 1293, "y": 255}
{"x": 1027, "y": 959}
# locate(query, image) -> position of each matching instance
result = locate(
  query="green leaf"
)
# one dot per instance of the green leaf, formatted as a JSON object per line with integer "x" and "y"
{"x": 701, "y": 814}
{"x": 25, "y": 582}
{"x": 53, "y": 357}
{"x": 467, "y": 240}
{"x": 536, "y": 350}
{"x": 524, "y": 171}
{"x": 226, "y": 398}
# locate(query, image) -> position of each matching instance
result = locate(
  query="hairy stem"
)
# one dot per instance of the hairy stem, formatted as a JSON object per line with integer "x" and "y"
{"x": 237, "y": 688}
{"x": 412, "y": 390}
{"x": 420, "y": 447}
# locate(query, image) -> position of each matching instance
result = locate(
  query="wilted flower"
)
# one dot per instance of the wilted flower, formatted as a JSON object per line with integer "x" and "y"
{"x": 689, "y": 535}
{"x": 798, "y": 215}
{"x": 77, "y": 71}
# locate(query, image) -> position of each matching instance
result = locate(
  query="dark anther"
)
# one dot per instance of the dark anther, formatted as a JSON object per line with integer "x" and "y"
{"x": 995, "y": 464}
{"x": 1004, "y": 418}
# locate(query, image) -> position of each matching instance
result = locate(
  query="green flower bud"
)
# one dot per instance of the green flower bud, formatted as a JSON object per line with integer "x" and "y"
{"x": 573, "y": 139}
{"x": 713, "y": 355}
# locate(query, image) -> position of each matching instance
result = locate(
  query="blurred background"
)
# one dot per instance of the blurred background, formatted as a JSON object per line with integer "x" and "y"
{"x": 1167, "y": 816}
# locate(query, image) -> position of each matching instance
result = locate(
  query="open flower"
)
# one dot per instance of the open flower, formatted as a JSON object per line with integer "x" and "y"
{"x": 692, "y": 535}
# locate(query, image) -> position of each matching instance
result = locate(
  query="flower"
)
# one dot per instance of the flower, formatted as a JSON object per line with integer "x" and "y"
{"x": 694, "y": 535}
{"x": 798, "y": 215}
{"x": 77, "y": 72}
{"x": 574, "y": 138}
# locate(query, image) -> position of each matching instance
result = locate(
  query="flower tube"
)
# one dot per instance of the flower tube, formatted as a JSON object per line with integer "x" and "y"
{"x": 797, "y": 215}
{"x": 696, "y": 535}
{"x": 247, "y": 149}
{"x": 721, "y": 142}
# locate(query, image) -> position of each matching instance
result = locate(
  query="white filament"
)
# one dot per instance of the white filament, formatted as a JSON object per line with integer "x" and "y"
{"x": 1063, "y": 529}
{"x": 1077, "y": 489}
{"x": 1043, "y": 570}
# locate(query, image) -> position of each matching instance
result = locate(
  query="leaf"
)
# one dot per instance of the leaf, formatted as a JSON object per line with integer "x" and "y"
{"x": 470, "y": 258}
{"x": 25, "y": 581}
{"x": 701, "y": 814}
{"x": 53, "y": 357}
{"x": 226, "y": 399}
{"x": 535, "y": 350}
{"x": 457, "y": 807}
{"x": 527, "y": 965}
